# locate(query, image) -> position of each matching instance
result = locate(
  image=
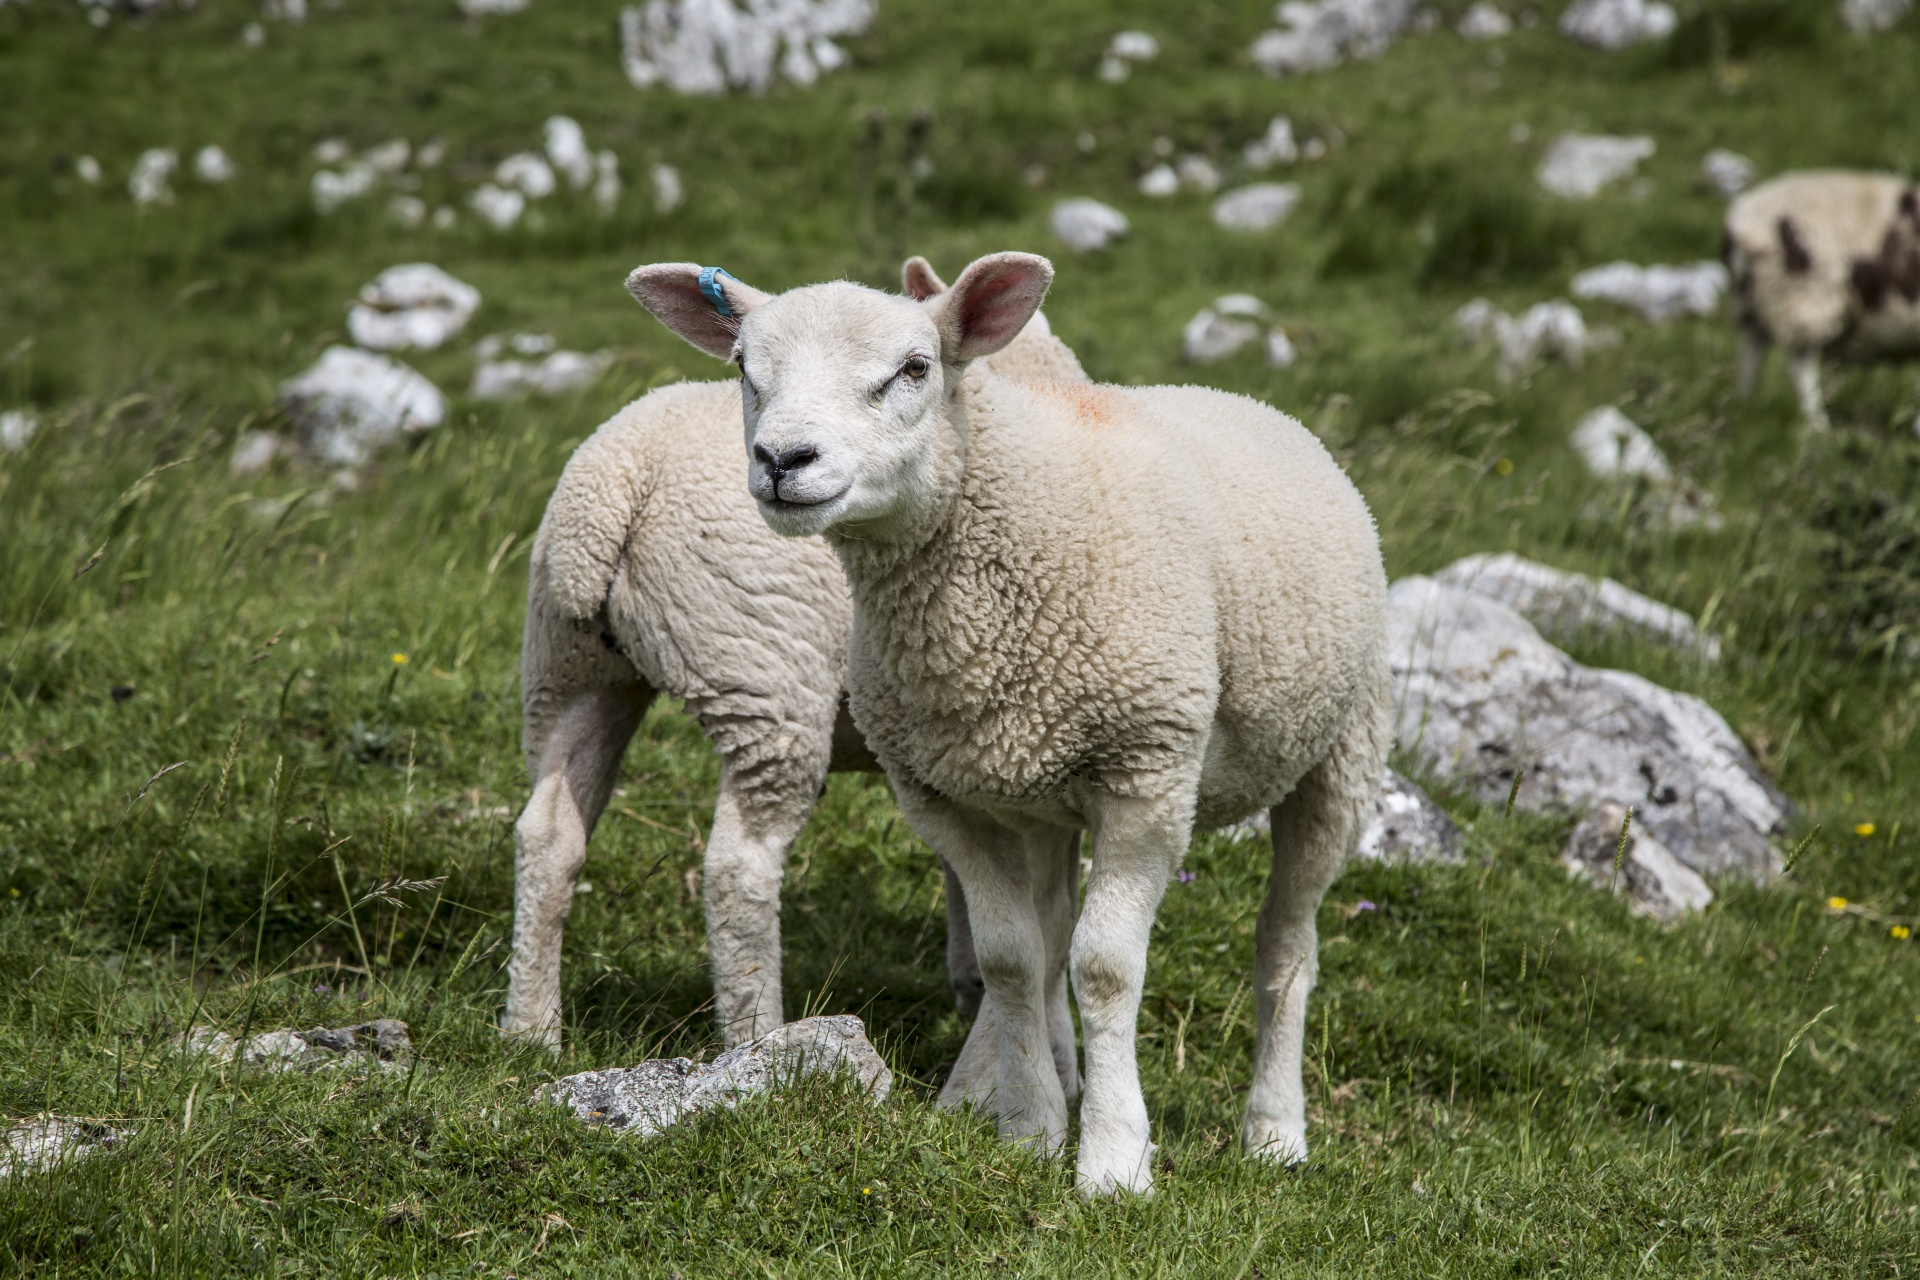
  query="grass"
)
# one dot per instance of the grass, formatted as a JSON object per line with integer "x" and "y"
{"x": 1509, "y": 1074}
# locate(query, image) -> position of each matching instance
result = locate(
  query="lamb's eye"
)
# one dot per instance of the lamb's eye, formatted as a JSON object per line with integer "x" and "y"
{"x": 916, "y": 367}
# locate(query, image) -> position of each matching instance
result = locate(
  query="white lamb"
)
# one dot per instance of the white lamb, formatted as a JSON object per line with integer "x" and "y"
{"x": 1135, "y": 610}
{"x": 1825, "y": 262}
{"x": 654, "y": 573}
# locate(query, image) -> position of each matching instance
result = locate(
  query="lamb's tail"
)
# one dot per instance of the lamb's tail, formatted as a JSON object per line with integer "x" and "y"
{"x": 590, "y": 518}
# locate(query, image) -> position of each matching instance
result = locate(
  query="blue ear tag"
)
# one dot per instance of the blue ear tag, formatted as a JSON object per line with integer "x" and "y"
{"x": 710, "y": 285}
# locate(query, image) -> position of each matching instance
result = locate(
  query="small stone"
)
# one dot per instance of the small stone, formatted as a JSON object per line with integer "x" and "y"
{"x": 1578, "y": 165}
{"x": 1618, "y": 24}
{"x": 352, "y": 402}
{"x": 1159, "y": 181}
{"x": 1087, "y": 225}
{"x": 566, "y": 147}
{"x": 213, "y": 165}
{"x": 1657, "y": 883}
{"x": 527, "y": 173}
{"x": 1275, "y": 146}
{"x": 1485, "y": 20}
{"x": 152, "y": 172}
{"x": 1258, "y": 206}
{"x": 1727, "y": 172}
{"x": 1660, "y": 293}
{"x": 17, "y": 429}
{"x": 415, "y": 304}
{"x": 1614, "y": 447}
{"x": 28, "y": 1146}
{"x": 382, "y": 1044}
{"x": 254, "y": 452}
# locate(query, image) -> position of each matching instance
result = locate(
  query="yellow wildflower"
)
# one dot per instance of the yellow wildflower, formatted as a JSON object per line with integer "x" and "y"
{"x": 1504, "y": 467}
{"x": 399, "y": 659}
{"x": 1836, "y": 904}
{"x": 1863, "y": 829}
{"x": 1901, "y": 932}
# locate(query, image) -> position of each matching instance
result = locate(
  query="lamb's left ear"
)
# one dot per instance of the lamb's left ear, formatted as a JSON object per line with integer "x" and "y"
{"x": 989, "y": 304}
{"x": 704, "y": 305}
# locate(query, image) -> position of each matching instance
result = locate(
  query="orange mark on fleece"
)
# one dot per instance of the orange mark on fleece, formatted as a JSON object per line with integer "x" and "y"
{"x": 1093, "y": 407}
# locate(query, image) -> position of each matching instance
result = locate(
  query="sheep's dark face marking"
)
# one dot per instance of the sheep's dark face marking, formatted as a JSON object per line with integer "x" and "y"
{"x": 1895, "y": 271}
{"x": 1799, "y": 260}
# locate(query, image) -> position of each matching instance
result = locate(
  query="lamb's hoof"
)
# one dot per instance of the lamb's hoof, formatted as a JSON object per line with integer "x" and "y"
{"x": 1104, "y": 1175}
{"x": 1282, "y": 1144}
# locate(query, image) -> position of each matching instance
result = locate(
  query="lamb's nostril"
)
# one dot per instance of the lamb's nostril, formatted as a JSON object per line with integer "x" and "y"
{"x": 764, "y": 456}
{"x": 795, "y": 458}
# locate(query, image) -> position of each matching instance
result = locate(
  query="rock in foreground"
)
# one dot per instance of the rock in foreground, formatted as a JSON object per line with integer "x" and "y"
{"x": 33, "y": 1145}
{"x": 1563, "y": 605}
{"x": 1657, "y": 883}
{"x": 647, "y": 1098}
{"x": 1479, "y": 694}
{"x": 1405, "y": 826}
{"x": 382, "y": 1044}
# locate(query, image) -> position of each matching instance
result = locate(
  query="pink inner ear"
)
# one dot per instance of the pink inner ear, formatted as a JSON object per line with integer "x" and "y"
{"x": 993, "y": 306}
{"x": 671, "y": 292}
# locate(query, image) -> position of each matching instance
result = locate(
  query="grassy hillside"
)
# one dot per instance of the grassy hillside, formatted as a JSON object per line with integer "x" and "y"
{"x": 1509, "y": 1074}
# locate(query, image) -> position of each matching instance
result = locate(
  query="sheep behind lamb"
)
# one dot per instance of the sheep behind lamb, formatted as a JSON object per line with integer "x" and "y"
{"x": 1824, "y": 263}
{"x": 653, "y": 573}
{"x": 1135, "y": 610}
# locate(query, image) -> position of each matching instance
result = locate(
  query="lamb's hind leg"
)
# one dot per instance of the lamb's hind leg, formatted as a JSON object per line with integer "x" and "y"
{"x": 575, "y": 743}
{"x": 1314, "y": 829}
{"x": 1753, "y": 354}
{"x": 1806, "y": 383}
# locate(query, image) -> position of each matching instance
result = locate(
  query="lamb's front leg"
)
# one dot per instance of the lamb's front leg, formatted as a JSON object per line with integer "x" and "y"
{"x": 1136, "y": 846}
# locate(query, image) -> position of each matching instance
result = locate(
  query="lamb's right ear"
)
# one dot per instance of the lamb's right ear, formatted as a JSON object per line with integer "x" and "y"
{"x": 704, "y": 305}
{"x": 990, "y": 303}
{"x": 919, "y": 281}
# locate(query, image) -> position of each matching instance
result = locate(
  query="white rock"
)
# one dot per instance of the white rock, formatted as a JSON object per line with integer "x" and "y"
{"x": 389, "y": 158}
{"x": 490, "y": 8}
{"x": 566, "y": 147}
{"x": 1727, "y": 172}
{"x": 561, "y": 372}
{"x": 1617, "y": 24}
{"x": 1316, "y": 34}
{"x": 444, "y": 217}
{"x": 498, "y": 207}
{"x": 332, "y": 189}
{"x": 352, "y": 402}
{"x": 253, "y": 35}
{"x": 1479, "y": 693}
{"x": 1197, "y": 173}
{"x": 17, "y": 428}
{"x": 408, "y": 211}
{"x": 211, "y": 164}
{"x": 526, "y": 344}
{"x": 382, "y": 1044}
{"x": 1868, "y": 17}
{"x": 1406, "y": 826}
{"x": 645, "y": 1099}
{"x": 1485, "y": 21}
{"x": 1133, "y": 46}
{"x": 1257, "y": 206}
{"x": 1614, "y": 447}
{"x": 152, "y": 172}
{"x": 254, "y": 452}
{"x": 1578, "y": 165}
{"x": 87, "y": 169}
{"x": 1545, "y": 330}
{"x": 1086, "y": 225}
{"x": 430, "y": 154}
{"x": 1656, "y": 882}
{"x": 294, "y": 11}
{"x": 331, "y": 150}
{"x": 668, "y": 193}
{"x": 1239, "y": 304}
{"x": 1275, "y": 146}
{"x": 1659, "y": 293}
{"x": 1159, "y": 181}
{"x": 1280, "y": 352}
{"x": 28, "y": 1146}
{"x": 1564, "y": 605}
{"x": 415, "y": 304}
{"x": 709, "y": 46}
{"x": 1211, "y": 337}
{"x": 526, "y": 173}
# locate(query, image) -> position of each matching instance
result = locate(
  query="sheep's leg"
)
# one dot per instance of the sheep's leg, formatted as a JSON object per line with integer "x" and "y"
{"x": 963, "y": 967}
{"x": 754, "y": 825}
{"x": 1753, "y": 354}
{"x": 1136, "y": 846}
{"x": 574, "y": 745}
{"x": 1314, "y": 829}
{"x": 1806, "y": 382}
{"x": 999, "y": 871}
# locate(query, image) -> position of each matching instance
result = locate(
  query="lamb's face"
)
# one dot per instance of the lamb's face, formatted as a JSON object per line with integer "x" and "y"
{"x": 844, "y": 389}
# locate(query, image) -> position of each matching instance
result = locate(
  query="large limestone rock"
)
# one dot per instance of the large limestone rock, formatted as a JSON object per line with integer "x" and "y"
{"x": 1405, "y": 826}
{"x": 1657, "y": 883}
{"x": 1564, "y": 605}
{"x": 1480, "y": 694}
{"x": 647, "y": 1098}
{"x": 28, "y": 1146}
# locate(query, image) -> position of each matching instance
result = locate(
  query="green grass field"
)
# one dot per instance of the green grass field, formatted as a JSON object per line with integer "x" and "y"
{"x": 1509, "y": 1075}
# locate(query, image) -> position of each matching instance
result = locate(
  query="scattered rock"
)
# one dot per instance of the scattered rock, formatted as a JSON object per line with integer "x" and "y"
{"x": 1579, "y": 165}
{"x": 28, "y": 1146}
{"x": 1657, "y": 883}
{"x": 490, "y": 8}
{"x": 412, "y": 305}
{"x": 1159, "y": 181}
{"x": 1406, "y": 826}
{"x": 1316, "y": 34}
{"x": 654, "y": 1095}
{"x": 709, "y": 46}
{"x": 1615, "y": 448}
{"x": 561, "y": 372}
{"x": 1256, "y": 207}
{"x": 1727, "y": 172}
{"x": 254, "y": 452}
{"x": 1564, "y": 605}
{"x": 1231, "y": 323}
{"x": 1125, "y": 49}
{"x": 1086, "y": 225}
{"x": 1479, "y": 695}
{"x": 149, "y": 183}
{"x": 566, "y": 147}
{"x": 1545, "y": 330}
{"x": 1868, "y": 17}
{"x": 382, "y": 1044}
{"x": 1618, "y": 24}
{"x": 499, "y": 208}
{"x": 352, "y": 402}
{"x": 1659, "y": 293}
{"x": 527, "y": 173}
{"x": 1275, "y": 146}
{"x": 88, "y": 170}
{"x": 17, "y": 428}
{"x": 408, "y": 211}
{"x": 1485, "y": 21}
{"x": 1280, "y": 352}
{"x": 331, "y": 190}
{"x": 212, "y": 165}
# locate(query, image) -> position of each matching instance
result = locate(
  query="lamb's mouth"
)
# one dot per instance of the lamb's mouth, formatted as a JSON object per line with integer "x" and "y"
{"x": 785, "y": 502}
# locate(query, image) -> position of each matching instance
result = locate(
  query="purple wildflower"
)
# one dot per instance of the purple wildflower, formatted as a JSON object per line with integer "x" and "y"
{"x": 1364, "y": 905}
{"x": 1185, "y": 876}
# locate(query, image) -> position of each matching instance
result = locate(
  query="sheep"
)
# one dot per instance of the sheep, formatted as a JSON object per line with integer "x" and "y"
{"x": 1133, "y": 610}
{"x": 1825, "y": 262}
{"x": 653, "y": 573}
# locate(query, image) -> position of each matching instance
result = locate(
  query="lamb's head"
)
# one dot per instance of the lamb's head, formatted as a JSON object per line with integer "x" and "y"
{"x": 848, "y": 391}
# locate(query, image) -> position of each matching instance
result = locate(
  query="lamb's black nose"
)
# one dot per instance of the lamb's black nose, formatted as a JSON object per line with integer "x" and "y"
{"x": 787, "y": 460}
